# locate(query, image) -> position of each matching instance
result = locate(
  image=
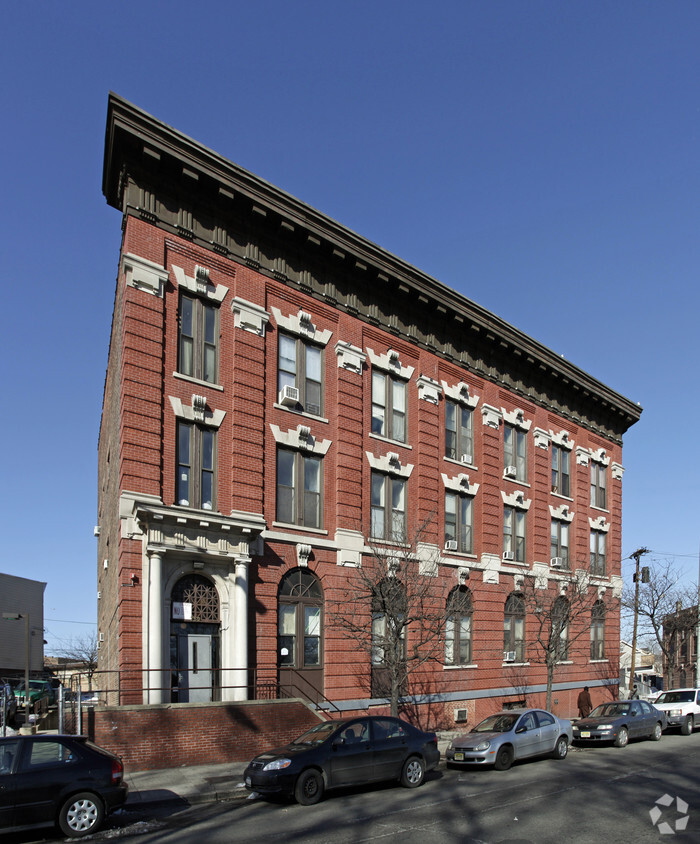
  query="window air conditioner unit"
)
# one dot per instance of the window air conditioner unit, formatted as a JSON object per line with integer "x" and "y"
{"x": 508, "y": 656}
{"x": 99, "y": 595}
{"x": 102, "y": 637}
{"x": 451, "y": 545}
{"x": 99, "y": 645}
{"x": 466, "y": 458}
{"x": 461, "y": 715}
{"x": 509, "y": 555}
{"x": 289, "y": 396}
{"x": 510, "y": 472}
{"x": 556, "y": 562}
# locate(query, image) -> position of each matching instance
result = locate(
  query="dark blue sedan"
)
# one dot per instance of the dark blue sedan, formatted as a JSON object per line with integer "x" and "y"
{"x": 354, "y": 751}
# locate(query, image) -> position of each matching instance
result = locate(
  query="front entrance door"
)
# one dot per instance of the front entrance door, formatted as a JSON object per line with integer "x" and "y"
{"x": 300, "y": 635}
{"x": 195, "y": 675}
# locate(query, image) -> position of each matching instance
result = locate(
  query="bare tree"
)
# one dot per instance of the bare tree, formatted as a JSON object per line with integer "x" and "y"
{"x": 82, "y": 652}
{"x": 561, "y": 612}
{"x": 394, "y": 608}
{"x": 665, "y": 604}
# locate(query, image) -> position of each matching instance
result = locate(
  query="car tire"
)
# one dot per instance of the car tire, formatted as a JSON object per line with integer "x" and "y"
{"x": 504, "y": 758}
{"x": 656, "y": 735}
{"x": 413, "y": 772}
{"x": 309, "y": 788}
{"x": 687, "y": 726}
{"x": 81, "y": 814}
{"x": 622, "y": 737}
{"x": 561, "y": 748}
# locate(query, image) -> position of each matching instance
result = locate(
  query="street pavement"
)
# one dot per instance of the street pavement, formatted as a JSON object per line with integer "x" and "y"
{"x": 190, "y": 784}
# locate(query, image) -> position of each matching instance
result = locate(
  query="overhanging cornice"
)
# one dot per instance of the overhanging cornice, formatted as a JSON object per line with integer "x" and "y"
{"x": 135, "y": 139}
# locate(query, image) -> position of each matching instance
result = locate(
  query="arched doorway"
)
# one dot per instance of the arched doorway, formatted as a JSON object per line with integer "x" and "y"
{"x": 300, "y": 634}
{"x": 194, "y": 640}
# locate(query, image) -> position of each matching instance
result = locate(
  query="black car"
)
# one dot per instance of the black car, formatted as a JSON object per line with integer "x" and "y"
{"x": 354, "y": 751}
{"x": 619, "y": 721}
{"x": 64, "y": 780}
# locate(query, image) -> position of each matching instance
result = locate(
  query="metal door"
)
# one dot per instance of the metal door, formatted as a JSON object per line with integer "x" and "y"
{"x": 195, "y": 675}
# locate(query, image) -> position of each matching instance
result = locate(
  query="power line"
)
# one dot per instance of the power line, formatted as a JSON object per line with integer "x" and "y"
{"x": 70, "y": 621}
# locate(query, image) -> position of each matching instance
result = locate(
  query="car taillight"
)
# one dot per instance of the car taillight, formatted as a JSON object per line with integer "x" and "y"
{"x": 117, "y": 771}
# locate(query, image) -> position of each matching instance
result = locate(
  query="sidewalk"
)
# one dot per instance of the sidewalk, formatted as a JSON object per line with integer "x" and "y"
{"x": 202, "y": 783}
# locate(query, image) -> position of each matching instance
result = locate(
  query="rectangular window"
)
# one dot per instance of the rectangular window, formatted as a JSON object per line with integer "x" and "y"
{"x": 514, "y": 522}
{"x": 561, "y": 471}
{"x": 198, "y": 341}
{"x": 459, "y": 438}
{"x": 598, "y": 551}
{"x": 298, "y": 489}
{"x": 196, "y": 466}
{"x": 560, "y": 542}
{"x": 515, "y": 453}
{"x": 388, "y": 407}
{"x": 458, "y": 640}
{"x": 300, "y": 366}
{"x": 458, "y": 521}
{"x": 598, "y": 485}
{"x": 388, "y": 518}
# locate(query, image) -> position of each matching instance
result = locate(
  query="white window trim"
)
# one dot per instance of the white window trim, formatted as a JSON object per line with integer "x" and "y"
{"x": 561, "y": 514}
{"x": 389, "y": 465}
{"x": 198, "y": 286}
{"x": 391, "y": 363}
{"x": 300, "y": 439}
{"x": 516, "y": 418}
{"x": 460, "y": 393}
{"x": 301, "y": 325}
{"x": 196, "y": 412}
{"x": 144, "y": 275}
{"x": 460, "y": 484}
{"x": 516, "y": 499}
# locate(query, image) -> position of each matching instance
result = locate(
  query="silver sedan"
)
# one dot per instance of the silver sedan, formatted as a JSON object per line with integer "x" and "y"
{"x": 514, "y": 734}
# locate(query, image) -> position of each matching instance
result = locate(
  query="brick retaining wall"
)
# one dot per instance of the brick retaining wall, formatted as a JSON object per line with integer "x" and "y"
{"x": 170, "y": 735}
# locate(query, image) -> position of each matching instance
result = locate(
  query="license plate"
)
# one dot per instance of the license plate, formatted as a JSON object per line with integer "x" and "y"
{"x": 248, "y": 782}
{"x": 459, "y": 757}
{"x": 585, "y": 734}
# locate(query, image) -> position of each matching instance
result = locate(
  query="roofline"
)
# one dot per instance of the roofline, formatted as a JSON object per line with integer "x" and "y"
{"x": 163, "y": 139}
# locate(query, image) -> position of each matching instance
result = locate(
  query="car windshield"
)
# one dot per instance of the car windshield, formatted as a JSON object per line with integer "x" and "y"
{"x": 500, "y": 723}
{"x": 675, "y": 697}
{"x": 317, "y": 734}
{"x": 610, "y": 710}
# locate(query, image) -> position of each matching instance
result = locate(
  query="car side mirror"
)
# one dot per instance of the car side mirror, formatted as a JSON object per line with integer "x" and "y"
{"x": 521, "y": 729}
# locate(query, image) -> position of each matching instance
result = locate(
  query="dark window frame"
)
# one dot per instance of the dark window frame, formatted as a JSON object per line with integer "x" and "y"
{"x": 198, "y": 336}
{"x": 514, "y": 620}
{"x": 518, "y": 543}
{"x": 460, "y": 609}
{"x": 515, "y": 447}
{"x": 559, "y": 532}
{"x": 311, "y": 390}
{"x": 599, "y": 485}
{"x": 598, "y": 614}
{"x": 299, "y": 507}
{"x": 192, "y": 460}
{"x": 389, "y": 422}
{"x": 390, "y": 484}
{"x": 461, "y": 529}
{"x": 598, "y": 558}
{"x": 459, "y": 437}
{"x": 561, "y": 471}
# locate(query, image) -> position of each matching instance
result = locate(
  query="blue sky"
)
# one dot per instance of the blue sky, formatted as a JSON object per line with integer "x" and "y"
{"x": 539, "y": 157}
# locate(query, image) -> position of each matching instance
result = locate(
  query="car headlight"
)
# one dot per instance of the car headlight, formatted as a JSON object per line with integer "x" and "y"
{"x": 277, "y": 764}
{"x": 483, "y": 746}
{"x": 674, "y": 711}
{"x": 605, "y": 726}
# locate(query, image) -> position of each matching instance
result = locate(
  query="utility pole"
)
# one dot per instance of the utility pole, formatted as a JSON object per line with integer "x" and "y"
{"x": 635, "y": 556}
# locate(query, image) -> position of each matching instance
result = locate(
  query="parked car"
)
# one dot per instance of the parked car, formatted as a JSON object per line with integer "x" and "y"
{"x": 354, "y": 751}
{"x": 8, "y": 703}
{"x": 619, "y": 721}
{"x": 54, "y": 779}
{"x": 38, "y": 690}
{"x": 682, "y": 708}
{"x": 513, "y": 734}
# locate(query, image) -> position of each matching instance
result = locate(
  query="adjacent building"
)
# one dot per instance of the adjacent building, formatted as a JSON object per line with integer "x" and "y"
{"x": 279, "y": 392}
{"x": 22, "y": 630}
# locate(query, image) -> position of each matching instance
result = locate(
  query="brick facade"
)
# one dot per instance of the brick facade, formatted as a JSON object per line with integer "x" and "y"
{"x": 194, "y": 224}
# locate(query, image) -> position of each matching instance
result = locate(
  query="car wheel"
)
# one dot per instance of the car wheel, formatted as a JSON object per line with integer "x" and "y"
{"x": 504, "y": 759}
{"x": 561, "y": 748}
{"x": 413, "y": 772}
{"x": 656, "y": 735}
{"x": 81, "y": 814}
{"x": 622, "y": 737}
{"x": 309, "y": 788}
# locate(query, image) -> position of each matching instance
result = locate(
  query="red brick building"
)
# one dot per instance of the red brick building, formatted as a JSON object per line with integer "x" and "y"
{"x": 278, "y": 391}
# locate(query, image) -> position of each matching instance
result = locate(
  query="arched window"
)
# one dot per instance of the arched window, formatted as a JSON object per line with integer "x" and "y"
{"x": 514, "y": 628}
{"x": 194, "y": 598}
{"x": 560, "y": 628}
{"x": 458, "y": 627}
{"x": 300, "y": 600}
{"x": 598, "y": 631}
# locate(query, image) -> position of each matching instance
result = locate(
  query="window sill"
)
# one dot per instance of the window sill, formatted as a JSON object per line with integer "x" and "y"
{"x": 462, "y": 555}
{"x": 516, "y": 664}
{"x": 562, "y": 496}
{"x": 390, "y": 441}
{"x": 471, "y": 466}
{"x": 520, "y": 563}
{"x": 599, "y": 509}
{"x": 303, "y": 413}
{"x": 457, "y": 667}
{"x": 287, "y": 525}
{"x": 597, "y": 661}
{"x": 190, "y": 380}
{"x": 517, "y": 481}
{"x": 565, "y": 662}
